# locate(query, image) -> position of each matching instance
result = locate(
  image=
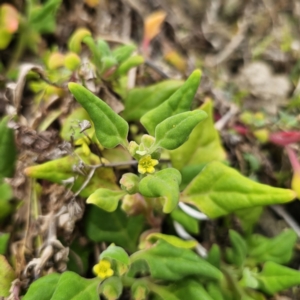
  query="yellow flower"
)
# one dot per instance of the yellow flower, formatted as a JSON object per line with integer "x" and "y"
{"x": 146, "y": 164}
{"x": 103, "y": 269}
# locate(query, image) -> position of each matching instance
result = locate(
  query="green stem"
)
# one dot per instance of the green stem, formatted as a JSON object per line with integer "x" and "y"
{"x": 20, "y": 47}
{"x": 233, "y": 281}
{"x": 127, "y": 281}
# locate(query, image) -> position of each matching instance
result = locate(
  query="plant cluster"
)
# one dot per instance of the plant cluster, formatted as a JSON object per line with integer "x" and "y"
{"x": 170, "y": 168}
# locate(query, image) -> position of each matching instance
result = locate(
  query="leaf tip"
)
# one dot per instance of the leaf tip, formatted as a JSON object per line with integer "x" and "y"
{"x": 72, "y": 85}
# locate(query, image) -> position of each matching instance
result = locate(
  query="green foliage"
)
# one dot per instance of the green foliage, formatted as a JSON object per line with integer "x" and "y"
{"x": 278, "y": 249}
{"x": 111, "y": 288}
{"x": 116, "y": 253}
{"x": 165, "y": 184}
{"x": 6, "y": 195}
{"x": 106, "y": 199}
{"x": 190, "y": 289}
{"x": 7, "y": 275}
{"x": 44, "y": 286}
{"x": 7, "y": 149}
{"x": 63, "y": 169}
{"x": 42, "y": 18}
{"x": 111, "y": 130}
{"x": 115, "y": 227}
{"x": 4, "y": 238}
{"x": 141, "y": 100}
{"x": 70, "y": 127}
{"x": 168, "y": 262}
{"x": 188, "y": 222}
{"x": 68, "y": 285}
{"x": 237, "y": 254}
{"x": 203, "y": 146}
{"x": 275, "y": 278}
{"x": 76, "y": 38}
{"x": 160, "y": 265}
{"x": 219, "y": 190}
{"x": 177, "y": 103}
{"x": 174, "y": 131}
{"x": 171, "y": 239}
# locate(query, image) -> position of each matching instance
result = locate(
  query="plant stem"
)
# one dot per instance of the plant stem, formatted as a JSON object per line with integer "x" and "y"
{"x": 20, "y": 47}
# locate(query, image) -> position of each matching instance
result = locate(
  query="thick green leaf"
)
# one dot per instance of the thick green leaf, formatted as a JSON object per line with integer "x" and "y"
{"x": 165, "y": 184}
{"x": 4, "y": 238}
{"x": 174, "y": 131}
{"x": 79, "y": 255}
{"x": 63, "y": 169}
{"x": 43, "y": 288}
{"x": 7, "y": 276}
{"x": 115, "y": 227}
{"x": 70, "y": 127}
{"x": 167, "y": 262}
{"x": 214, "y": 256}
{"x": 74, "y": 43}
{"x": 141, "y": 100}
{"x": 214, "y": 291}
{"x": 173, "y": 240}
{"x": 42, "y": 19}
{"x": 249, "y": 217}
{"x": 73, "y": 287}
{"x": 190, "y": 289}
{"x": 189, "y": 223}
{"x": 161, "y": 292}
{"x": 179, "y": 102}
{"x": 238, "y": 252}
{"x": 116, "y": 253}
{"x": 203, "y": 145}
{"x": 139, "y": 290}
{"x": 275, "y": 278}
{"x": 6, "y": 195}
{"x": 219, "y": 190}
{"x": 103, "y": 48}
{"x": 248, "y": 279}
{"x": 111, "y": 288}
{"x": 188, "y": 173}
{"x": 123, "y": 52}
{"x": 111, "y": 130}
{"x": 130, "y": 63}
{"x": 106, "y": 199}
{"x": 8, "y": 150}
{"x": 108, "y": 65}
{"x": 278, "y": 249}
{"x": 5, "y": 38}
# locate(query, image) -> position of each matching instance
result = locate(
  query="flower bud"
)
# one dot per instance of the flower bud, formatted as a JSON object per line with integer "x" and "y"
{"x": 129, "y": 183}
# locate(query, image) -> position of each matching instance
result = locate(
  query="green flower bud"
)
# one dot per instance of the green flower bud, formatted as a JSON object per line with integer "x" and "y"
{"x": 129, "y": 183}
{"x": 72, "y": 61}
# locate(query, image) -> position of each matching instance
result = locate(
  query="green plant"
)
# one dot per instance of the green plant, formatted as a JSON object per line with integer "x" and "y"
{"x": 164, "y": 266}
{"x": 38, "y": 19}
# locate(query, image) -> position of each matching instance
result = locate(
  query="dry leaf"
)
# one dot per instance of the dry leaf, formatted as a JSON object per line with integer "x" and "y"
{"x": 152, "y": 26}
{"x": 92, "y": 3}
{"x": 176, "y": 60}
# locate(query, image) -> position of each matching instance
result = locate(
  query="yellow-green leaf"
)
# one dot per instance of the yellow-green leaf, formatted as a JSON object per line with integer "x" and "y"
{"x": 173, "y": 240}
{"x": 7, "y": 275}
{"x": 219, "y": 190}
{"x": 203, "y": 145}
{"x": 165, "y": 184}
{"x": 106, "y": 199}
{"x": 63, "y": 169}
{"x": 178, "y": 102}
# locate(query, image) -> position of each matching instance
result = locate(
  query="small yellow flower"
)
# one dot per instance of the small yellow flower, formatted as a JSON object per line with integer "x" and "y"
{"x": 103, "y": 269}
{"x": 146, "y": 164}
